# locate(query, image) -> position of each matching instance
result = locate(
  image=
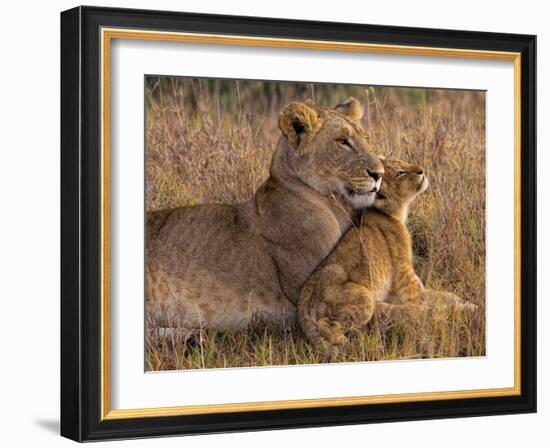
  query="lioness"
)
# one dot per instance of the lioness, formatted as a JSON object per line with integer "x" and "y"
{"x": 223, "y": 264}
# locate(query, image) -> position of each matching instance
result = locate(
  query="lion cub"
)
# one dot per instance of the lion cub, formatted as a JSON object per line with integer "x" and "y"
{"x": 372, "y": 263}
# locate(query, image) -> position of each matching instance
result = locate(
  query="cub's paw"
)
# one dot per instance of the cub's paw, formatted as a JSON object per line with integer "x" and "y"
{"x": 460, "y": 304}
{"x": 333, "y": 339}
{"x": 332, "y": 331}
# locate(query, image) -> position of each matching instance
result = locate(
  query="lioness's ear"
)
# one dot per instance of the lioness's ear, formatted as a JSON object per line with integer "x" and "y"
{"x": 297, "y": 120}
{"x": 351, "y": 108}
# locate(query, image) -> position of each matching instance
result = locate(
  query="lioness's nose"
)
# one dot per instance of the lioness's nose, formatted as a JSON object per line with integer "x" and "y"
{"x": 375, "y": 174}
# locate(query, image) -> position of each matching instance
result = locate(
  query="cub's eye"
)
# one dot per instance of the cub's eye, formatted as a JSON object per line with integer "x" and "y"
{"x": 344, "y": 142}
{"x": 400, "y": 173}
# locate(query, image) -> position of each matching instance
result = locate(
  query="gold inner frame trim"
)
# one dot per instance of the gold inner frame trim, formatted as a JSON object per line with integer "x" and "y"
{"x": 107, "y": 35}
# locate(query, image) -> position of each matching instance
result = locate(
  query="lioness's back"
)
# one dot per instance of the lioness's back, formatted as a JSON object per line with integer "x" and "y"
{"x": 196, "y": 232}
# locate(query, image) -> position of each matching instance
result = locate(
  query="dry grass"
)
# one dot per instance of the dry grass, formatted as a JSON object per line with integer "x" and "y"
{"x": 211, "y": 141}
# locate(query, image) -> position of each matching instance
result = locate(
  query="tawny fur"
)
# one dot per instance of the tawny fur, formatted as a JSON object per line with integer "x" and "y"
{"x": 372, "y": 264}
{"x": 224, "y": 264}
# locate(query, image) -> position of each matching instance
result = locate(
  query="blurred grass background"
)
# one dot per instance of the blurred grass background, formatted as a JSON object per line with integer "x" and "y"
{"x": 211, "y": 141}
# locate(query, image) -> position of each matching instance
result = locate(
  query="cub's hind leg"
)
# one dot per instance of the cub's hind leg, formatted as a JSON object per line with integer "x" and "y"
{"x": 350, "y": 306}
{"x": 311, "y": 306}
{"x": 407, "y": 287}
{"x": 446, "y": 300}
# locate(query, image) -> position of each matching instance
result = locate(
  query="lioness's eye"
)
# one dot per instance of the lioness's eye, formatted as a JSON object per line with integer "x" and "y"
{"x": 400, "y": 173}
{"x": 345, "y": 142}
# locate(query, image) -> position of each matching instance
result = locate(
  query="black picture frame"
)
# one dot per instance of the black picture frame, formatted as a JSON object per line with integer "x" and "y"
{"x": 81, "y": 224}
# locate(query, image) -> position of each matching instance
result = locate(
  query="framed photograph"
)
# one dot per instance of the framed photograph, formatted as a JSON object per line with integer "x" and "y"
{"x": 277, "y": 224}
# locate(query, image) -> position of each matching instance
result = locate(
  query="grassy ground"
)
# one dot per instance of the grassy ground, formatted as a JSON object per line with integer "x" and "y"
{"x": 211, "y": 141}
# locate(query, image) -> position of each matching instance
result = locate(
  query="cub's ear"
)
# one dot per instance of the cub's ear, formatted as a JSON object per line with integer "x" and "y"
{"x": 380, "y": 202}
{"x": 297, "y": 120}
{"x": 351, "y": 108}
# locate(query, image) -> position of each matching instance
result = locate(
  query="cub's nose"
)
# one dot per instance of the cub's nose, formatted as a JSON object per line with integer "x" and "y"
{"x": 375, "y": 174}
